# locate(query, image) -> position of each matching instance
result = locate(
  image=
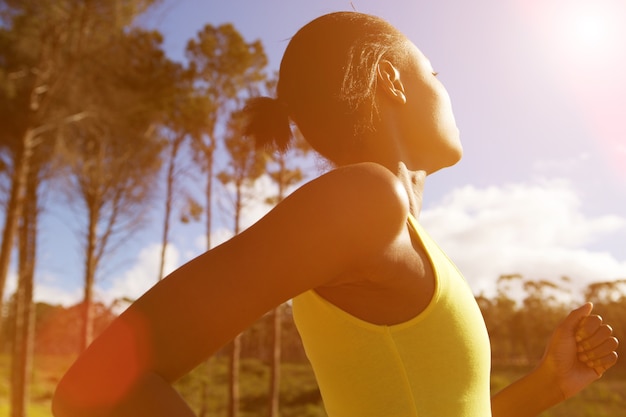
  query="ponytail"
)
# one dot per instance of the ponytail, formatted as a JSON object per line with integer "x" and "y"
{"x": 267, "y": 121}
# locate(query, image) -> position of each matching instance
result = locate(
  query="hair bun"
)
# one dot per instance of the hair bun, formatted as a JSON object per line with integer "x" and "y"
{"x": 267, "y": 121}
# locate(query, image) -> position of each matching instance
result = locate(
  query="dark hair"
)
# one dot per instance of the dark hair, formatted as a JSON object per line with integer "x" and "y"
{"x": 327, "y": 84}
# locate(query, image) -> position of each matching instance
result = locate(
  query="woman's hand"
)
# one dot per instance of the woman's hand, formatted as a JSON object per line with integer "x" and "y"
{"x": 580, "y": 350}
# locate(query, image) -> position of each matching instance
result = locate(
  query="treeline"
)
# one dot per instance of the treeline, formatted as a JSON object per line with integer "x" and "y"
{"x": 520, "y": 318}
{"x": 522, "y": 314}
{"x": 56, "y": 332}
{"x": 205, "y": 387}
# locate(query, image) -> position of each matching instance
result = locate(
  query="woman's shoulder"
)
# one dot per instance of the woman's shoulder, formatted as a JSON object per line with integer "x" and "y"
{"x": 364, "y": 186}
{"x": 351, "y": 197}
{"x": 327, "y": 226}
{"x": 361, "y": 181}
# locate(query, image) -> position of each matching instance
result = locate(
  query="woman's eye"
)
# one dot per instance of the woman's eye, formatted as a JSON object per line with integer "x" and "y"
{"x": 435, "y": 73}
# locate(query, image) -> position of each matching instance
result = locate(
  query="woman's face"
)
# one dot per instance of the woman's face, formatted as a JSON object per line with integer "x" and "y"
{"x": 429, "y": 124}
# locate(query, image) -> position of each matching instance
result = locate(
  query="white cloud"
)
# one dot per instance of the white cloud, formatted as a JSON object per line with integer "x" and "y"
{"x": 141, "y": 276}
{"x": 219, "y": 236}
{"x": 263, "y": 188}
{"x": 46, "y": 290}
{"x": 57, "y": 296}
{"x": 565, "y": 166}
{"x": 537, "y": 230}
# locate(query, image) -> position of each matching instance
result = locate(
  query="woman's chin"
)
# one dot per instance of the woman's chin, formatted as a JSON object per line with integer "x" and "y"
{"x": 452, "y": 157}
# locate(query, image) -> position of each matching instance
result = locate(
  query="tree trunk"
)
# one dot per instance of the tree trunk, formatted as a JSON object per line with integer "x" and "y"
{"x": 235, "y": 351}
{"x": 90, "y": 271}
{"x": 22, "y": 351}
{"x": 171, "y": 169}
{"x": 275, "y": 361}
{"x": 204, "y": 400}
{"x": 204, "y": 389}
{"x": 233, "y": 380}
{"x": 14, "y": 208}
{"x": 274, "y": 395}
{"x": 209, "y": 193}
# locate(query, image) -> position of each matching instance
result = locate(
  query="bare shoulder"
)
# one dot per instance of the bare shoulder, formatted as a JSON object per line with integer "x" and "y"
{"x": 372, "y": 176}
{"x": 365, "y": 193}
{"x": 363, "y": 204}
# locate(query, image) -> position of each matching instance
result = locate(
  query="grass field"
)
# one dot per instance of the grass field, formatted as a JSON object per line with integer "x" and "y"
{"x": 299, "y": 394}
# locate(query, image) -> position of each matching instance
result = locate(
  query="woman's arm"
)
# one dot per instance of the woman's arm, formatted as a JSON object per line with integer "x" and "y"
{"x": 151, "y": 395}
{"x": 580, "y": 350}
{"x": 331, "y": 224}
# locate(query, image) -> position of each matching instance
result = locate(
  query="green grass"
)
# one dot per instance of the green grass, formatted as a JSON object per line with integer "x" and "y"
{"x": 33, "y": 410}
{"x": 299, "y": 394}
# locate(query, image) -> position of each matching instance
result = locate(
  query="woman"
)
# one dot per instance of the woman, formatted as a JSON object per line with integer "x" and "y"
{"x": 390, "y": 326}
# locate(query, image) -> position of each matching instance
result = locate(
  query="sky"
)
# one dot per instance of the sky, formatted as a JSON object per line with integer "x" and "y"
{"x": 539, "y": 94}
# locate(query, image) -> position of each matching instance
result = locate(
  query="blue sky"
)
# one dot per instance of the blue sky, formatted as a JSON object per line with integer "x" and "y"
{"x": 539, "y": 94}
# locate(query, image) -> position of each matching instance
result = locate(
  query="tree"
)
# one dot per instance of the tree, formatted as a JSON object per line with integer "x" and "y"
{"x": 112, "y": 180}
{"x": 23, "y": 344}
{"x": 186, "y": 117}
{"x": 245, "y": 165}
{"x": 111, "y": 160}
{"x": 224, "y": 66}
{"x": 25, "y": 75}
{"x": 42, "y": 47}
{"x": 505, "y": 324}
{"x": 284, "y": 175}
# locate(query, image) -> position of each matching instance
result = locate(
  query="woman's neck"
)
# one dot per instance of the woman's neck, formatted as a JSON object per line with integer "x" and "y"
{"x": 413, "y": 182}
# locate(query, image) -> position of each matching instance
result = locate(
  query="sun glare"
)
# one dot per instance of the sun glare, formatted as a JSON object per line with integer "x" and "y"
{"x": 583, "y": 43}
{"x": 590, "y": 32}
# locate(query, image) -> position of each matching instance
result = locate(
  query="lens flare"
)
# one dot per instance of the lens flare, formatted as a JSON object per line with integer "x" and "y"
{"x": 584, "y": 46}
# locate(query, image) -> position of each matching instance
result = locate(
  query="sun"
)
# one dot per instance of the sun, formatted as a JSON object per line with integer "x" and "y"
{"x": 586, "y": 36}
{"x": 581, "y": 45}
{"x": 589, "y": 32}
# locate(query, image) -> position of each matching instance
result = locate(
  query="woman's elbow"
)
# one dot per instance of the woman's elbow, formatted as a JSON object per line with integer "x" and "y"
{"x": 60, "y": 407}
{"x": 65, "y": 402}
{"x": 150, "y": 395}
{"x": 82, "y": 393}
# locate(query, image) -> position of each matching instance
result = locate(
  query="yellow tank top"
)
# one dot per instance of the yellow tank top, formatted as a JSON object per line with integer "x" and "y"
{"x": 434, "y": 365}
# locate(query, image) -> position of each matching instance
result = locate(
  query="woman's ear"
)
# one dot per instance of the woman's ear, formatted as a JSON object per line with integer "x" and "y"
{"x": 389, "y": 81}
